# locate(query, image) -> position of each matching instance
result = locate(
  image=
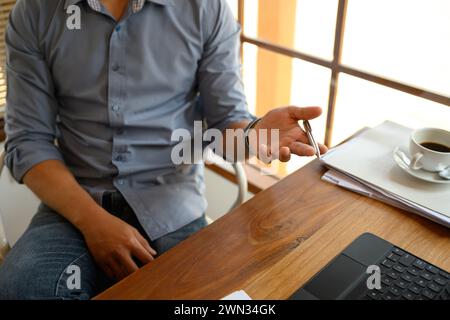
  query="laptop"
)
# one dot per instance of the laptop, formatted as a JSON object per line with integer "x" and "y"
{"x": 372, "y": 268}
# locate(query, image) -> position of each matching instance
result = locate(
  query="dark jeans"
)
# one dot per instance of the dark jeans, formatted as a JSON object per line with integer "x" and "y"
{"x": 41, "y": 264}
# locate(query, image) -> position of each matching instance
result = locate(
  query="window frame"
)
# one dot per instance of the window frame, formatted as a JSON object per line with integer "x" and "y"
{"x": 336, "y": 66}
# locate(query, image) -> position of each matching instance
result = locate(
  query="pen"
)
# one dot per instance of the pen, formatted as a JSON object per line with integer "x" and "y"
{"x": 312, "y": 142}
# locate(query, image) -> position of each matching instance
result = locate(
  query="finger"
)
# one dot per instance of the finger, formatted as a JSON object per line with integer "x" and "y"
{"x": 305, "y": 113}
{"x": 145, "y": 244}
{"x": 323, "y": 148}
{"x": 285, "y": 154}
{"x": 264, "y": 154}
{"x": 300, "y": 136}
{"x": 117, "y": 268}
{"x": 302, "y": 149}
{"x": 142, "y": 254}
{"x": 108, "y": 271}
{"x": 128, "y": 263}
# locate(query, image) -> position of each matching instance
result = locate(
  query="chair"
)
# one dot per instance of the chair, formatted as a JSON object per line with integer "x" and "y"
{"x": 10, "y": 211}
{"x": 4, "y": 246}
{"x": 15, "y": 214}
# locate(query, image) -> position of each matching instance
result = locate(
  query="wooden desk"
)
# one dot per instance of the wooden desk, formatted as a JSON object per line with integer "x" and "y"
{"x": 275, "y": 242}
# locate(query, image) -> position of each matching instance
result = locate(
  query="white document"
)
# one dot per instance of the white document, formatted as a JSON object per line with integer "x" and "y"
{"x": 238, "y": 295}
{"x": 366, "y": 165}
{"x": 351, "y": 184}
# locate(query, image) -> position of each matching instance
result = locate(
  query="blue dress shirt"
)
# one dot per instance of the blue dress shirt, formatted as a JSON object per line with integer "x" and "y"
{"x": 111, "y": 93}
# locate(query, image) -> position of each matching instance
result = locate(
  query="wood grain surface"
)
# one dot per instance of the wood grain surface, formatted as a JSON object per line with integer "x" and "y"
{"x": 278, "y": 240}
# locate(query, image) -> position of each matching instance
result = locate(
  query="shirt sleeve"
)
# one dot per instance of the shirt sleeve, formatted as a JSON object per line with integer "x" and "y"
{"x": 220, "y": 80}
{"x": 31, "y": 107}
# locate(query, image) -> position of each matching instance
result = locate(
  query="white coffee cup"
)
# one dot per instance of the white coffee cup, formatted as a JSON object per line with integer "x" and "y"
{"x": 425, "y": 158}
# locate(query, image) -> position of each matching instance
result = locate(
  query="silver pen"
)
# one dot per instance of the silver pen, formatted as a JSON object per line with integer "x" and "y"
{"x": 312, "y": 142}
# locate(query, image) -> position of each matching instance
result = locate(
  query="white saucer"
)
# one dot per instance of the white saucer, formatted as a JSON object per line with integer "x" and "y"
{"x": 420, "y": 174}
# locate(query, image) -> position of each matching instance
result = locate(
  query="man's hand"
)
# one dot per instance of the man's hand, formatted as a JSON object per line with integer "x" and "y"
{"x": 115, "y": 244}
{"x": 112, "y": 242}
{"x": 293, "y": 139}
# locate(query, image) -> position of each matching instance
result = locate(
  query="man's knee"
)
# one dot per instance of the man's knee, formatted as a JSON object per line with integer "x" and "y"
{"x": 19, "y": 281}
{"x": 40, "y": 277}
{"x": 50, "y": 261}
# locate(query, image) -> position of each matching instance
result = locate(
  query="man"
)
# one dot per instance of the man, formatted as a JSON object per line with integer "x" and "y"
{"x": 110, "y": 90}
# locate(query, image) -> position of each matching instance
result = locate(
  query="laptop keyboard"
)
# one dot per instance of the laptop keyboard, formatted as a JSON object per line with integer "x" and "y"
{"x": 406, "y": 277}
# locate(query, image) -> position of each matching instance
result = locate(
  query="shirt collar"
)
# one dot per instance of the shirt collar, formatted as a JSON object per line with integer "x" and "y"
{"x": 161, "y": 2}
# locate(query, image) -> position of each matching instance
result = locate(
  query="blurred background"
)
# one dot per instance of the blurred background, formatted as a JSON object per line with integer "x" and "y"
{"x": 363, "y": 61}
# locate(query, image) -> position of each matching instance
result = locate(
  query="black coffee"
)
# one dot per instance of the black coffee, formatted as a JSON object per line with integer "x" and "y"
{"x": 435, "y": 146}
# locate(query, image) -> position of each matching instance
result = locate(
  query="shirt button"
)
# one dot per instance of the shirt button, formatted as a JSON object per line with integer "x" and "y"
{"x": 120, "y": 158}
{"x": 121, "y": 182}
{"x": 115, "y": 108}
{"x": 118, "y": 28}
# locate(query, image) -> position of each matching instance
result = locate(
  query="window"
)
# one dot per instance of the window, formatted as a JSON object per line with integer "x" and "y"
{"x": 277, "y": 80}
{"x": 289, "y": 23}
{"x": 411, "y": 45}
{"x": 364, "y": 103}
{"x": 362, "y": 61}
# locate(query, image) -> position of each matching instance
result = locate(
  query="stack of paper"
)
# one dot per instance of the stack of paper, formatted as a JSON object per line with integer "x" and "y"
{"x": 365, "y": 165}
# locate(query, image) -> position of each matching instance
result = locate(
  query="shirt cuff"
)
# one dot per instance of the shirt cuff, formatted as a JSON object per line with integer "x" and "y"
{"x": 234, "y": 119}
{"x": 21, "y": 159}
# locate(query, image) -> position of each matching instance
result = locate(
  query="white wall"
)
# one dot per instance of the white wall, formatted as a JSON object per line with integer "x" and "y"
{"x": 220, "y": 193}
